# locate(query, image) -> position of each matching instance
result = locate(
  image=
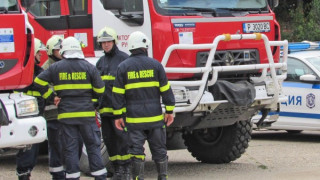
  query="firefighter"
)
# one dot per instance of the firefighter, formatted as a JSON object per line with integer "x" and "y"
{"x": 27, "y": 158}
{"x": 51, "y": 114}
{"x": 76, "y": 82}
{"x": 139, "y": 84}
{"x": 115, "y": 140}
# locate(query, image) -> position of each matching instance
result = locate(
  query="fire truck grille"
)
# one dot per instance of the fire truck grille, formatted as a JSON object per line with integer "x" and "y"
{"x": 230, "y": 58}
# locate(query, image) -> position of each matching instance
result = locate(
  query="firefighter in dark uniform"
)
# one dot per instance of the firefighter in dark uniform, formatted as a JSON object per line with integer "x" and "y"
{"x": 115, "y": 140}
{"x": 26, "y": 159}
{"x": 139, "y": 84}
{"x": 76, "y": 82}
{"x": 56, "y": 168}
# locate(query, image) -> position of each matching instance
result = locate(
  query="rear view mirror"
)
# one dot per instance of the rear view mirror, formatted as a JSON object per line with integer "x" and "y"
{"x": 4, "y": 120}
{"x": 309, "y": 78}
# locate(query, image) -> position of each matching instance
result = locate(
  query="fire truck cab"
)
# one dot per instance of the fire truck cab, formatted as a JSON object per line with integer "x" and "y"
{"x": 221, "y": 57}
{"x": 20, "y": 124}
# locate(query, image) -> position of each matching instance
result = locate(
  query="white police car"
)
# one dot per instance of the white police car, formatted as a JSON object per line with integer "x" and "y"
{"x": 302, "y": 87}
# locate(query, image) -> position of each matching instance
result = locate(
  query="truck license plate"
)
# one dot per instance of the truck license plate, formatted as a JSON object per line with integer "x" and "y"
{"x": 256, "y": 27}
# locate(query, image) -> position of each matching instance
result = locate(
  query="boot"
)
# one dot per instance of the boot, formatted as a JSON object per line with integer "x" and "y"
{"x": 162, "y": 168}
{"x": 126, "y": 172}
{"x": 118, "y": 171}
{"x": 137, "y": 169}
{"x": 24, "y": 177}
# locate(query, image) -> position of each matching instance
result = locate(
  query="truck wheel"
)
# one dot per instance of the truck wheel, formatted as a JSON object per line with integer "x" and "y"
{"x": 84, "y": 162}
{"x": 219, "y": 145}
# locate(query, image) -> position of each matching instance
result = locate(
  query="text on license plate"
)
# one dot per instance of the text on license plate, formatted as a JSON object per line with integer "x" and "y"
{"x": 256, "y": 27}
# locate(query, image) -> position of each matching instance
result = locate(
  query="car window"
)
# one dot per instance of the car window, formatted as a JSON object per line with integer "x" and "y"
{"x": 296, "y": 68}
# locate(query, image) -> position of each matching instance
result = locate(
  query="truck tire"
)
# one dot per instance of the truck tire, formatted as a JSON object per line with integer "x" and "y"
{"x": 84, "y": 162}
{"x": 219, "y": 145}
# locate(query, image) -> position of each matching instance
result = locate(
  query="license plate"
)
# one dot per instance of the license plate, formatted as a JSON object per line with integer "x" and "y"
{"x": 256, "y": 27}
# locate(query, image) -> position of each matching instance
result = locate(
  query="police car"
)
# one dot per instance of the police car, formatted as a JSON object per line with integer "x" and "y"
{"x": 301, "y": 111}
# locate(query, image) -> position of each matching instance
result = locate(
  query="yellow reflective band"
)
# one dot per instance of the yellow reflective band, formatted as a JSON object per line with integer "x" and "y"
{"x": 144, "y": 119}
{"x": 118, "y": 90}
{"x": 77, "y": 114}
{"x": 33, "y": 93}
{"x": 94, "y": 100}
{"x": 47, "y": 94}
{"x": 120, "y": 158}
{"x": 40, "y": 82}
{"x": 165, "y": 88}
{"x": 142, "y": 85}
{"x": 108, "y": 77}
{"x": 117, "y": 112}
{"x": 105, "y": 110}
{"x": 72, "y": 86}
{"x": 169, "y": 108}
{"x": 138, "y": 156}
{"x": 98, "y": 90}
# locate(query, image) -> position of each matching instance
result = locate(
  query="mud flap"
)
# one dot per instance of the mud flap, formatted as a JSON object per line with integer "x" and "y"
{"x": 4, "y": 120}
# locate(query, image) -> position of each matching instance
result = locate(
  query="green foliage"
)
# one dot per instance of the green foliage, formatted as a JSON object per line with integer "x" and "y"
{"x": 299, "y": 22}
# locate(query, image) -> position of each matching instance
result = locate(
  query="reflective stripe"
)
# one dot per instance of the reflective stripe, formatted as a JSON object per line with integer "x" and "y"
{"x": 33, "y": 93}
{"x": 99, "y": 90}
{"x": 56, "y": 169}
{"x": 120, "y": 111}
{"x": 40, "y": 82}
{"x": 108, "y": 77}
{"x": 99, "y": 172}
{"x": 169, "y": 108}
{"x": 47, "y": 94}
{"x": 76, "y": 114}
{"x": 118, "y": 90}
{"x": 120, "y": 158}
{"x": 138, "y": 156}
{"x": 106, "y": 110}
{"x": 73, "y": 175}
{"x": 142, "y": 85}
{"x": 50, "y": 107}
{"x": 72, "y": 86}
{"x": 144, "y": 119}
{"x": 94, "y": 100}
{"x": 165, "y": 88}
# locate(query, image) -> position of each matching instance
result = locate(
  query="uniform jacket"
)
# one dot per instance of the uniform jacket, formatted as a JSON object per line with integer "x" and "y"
{"x": 139, "y": 84}
{"x": 76, "y": 82}
{"x": 107, "y": 66}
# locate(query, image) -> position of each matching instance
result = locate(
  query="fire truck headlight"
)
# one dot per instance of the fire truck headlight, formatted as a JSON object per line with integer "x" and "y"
{"x": 180, "y": 94}
{"x": 27, "y": 107}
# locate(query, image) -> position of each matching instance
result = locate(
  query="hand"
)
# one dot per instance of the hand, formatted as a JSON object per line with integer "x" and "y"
{"x": 168, "y": 119}
{"x": 119, "y": 124}
{"x": 56, "y": 100}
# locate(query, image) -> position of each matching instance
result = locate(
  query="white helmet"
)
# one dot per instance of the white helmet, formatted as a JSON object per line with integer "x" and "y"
{"x": 138, "y": 40}
{"x": 38, "y": 46}
{"x": 53, "y": 43}
{"x": 70, "y": 44}
{"x": 107, "y": 34}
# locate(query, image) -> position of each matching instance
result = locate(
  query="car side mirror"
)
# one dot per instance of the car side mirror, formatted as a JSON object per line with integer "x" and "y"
{"x": 309, "y": 78}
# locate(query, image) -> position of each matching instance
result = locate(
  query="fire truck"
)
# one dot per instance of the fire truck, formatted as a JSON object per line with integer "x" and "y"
{"x": 221, "y": 57}
{"x": 20, "y": 124}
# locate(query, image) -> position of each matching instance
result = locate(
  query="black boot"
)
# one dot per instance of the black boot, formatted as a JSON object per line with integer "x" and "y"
{"x": 24, "y": 177}
{"x": 118, "y": 171}
{"x": 162, "y": 168}
{"x": 137, "y": 169}
{"x": 126, "y": 172}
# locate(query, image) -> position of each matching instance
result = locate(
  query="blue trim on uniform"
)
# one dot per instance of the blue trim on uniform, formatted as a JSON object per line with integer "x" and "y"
{"x": 301, "y": 85}
{"x": 300, "y": 115}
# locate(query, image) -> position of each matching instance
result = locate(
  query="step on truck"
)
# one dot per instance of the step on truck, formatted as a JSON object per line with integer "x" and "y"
{"x": 20, "y": 124}
{"x": 221, "y": 57}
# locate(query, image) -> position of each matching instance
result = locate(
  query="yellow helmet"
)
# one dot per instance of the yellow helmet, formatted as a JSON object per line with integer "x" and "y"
{"x": 38, "y": 45}
{"x": 107, "y": 34}
{"x": 53, "y": 43}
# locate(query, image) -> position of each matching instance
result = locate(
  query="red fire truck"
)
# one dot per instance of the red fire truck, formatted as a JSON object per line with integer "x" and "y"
{"x": 19, "y": 123}
{"x": 221, "y": 56}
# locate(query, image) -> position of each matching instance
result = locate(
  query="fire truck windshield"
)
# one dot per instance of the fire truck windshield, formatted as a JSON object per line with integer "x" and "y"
{"x": 8, "y": 5}
{"x": 211, "y": 4}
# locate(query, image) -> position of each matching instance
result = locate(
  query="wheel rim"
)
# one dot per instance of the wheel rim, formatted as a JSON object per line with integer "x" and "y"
{"x": 208, "y": 136}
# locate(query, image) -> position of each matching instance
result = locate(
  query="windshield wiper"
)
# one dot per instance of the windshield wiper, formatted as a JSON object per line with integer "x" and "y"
{"x": 250, "y": 10}
{"x": 213, "y": 11}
